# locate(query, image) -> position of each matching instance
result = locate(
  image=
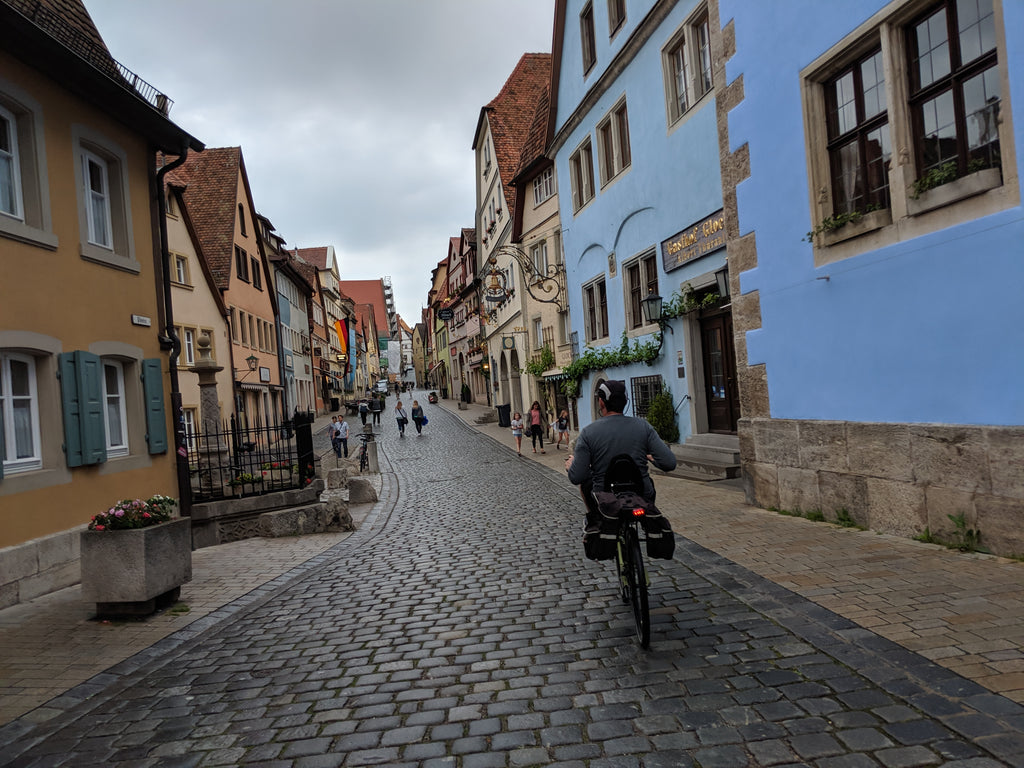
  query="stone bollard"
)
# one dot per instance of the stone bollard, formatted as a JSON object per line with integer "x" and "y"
{"x": 360, "y": 491}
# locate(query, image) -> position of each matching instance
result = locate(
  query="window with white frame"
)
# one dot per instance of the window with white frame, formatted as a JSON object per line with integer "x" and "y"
{"x": 189, "y": 416}
{"x": 595, "y": 310}
{"x": 581, "y": 173}
{"x": 181, "y": 270}
{"x": 641, "y": 280}
{"x": 189, "y": 345}
{"x": 96, "y": 177}
{"x": 616, "y": 16}
{"x": 686, "y": 61}
{"x": 544, "y": 186}
{"x": 613, "y": 143}
{"x": 19, "y": 413}
{"x": 538, "y": 333}
{"x": 104, "y": 210}
{"x": 539, "y": 257}
{"x": 24, "y": 186}
{"x": 487, "y": 156}
{"x": 114, "y": 414}
{"x": 588, "y": 46}
{"x": 927, "y": 77}
{"x": 10, "y": 173}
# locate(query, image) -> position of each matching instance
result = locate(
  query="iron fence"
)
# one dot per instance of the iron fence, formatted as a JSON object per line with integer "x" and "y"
{"x": 238, "y": 460}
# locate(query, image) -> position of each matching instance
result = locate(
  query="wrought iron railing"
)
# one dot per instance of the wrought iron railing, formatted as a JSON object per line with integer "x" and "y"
{"x": 58, "y": 27}
{"x": 238, "y": 460}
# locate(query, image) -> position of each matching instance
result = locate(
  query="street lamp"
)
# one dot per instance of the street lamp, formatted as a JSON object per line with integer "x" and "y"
{"x": 253, "y": 362}
{"x": 651, "y": 307}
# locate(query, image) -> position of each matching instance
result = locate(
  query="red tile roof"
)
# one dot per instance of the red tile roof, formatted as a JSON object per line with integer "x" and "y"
{"x": 210, "y": 180}
{"x": 315, "y": 256}
{"x": 511, "y": 115}
{"x": 369, "y": 292}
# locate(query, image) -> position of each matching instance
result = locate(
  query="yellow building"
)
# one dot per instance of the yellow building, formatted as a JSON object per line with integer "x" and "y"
{"x": 84, "y": 380}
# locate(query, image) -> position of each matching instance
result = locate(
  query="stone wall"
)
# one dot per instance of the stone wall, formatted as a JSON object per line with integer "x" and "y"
{"x": 893, "y": 478}
{"x": 39, "y": 567}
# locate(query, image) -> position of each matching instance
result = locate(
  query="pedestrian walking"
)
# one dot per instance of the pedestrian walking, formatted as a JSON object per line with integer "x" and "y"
{"x": 364, "y": 410}
{"x": 376, "y": 405}
{"x": 517, "y": 431}
{"x": 562, "y": 428}
{"x": 537, "y": 426}
{"x": 417, "y": 417}
{"x": 333, "y": 432}
{"x": 401, "y": 417}
{"x": 343, "y": 435}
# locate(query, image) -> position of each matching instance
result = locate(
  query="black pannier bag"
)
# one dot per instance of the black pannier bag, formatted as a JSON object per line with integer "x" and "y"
{"x": 661, "y": 542}
{"x": 602, "y": 528}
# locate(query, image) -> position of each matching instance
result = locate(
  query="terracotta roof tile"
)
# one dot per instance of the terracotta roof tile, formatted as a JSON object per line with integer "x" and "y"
{"x": 533, "y": 147}
{"x": 315, "y": 256}
{"x": 512, "y": 113}
{"x": 210, "y": 180}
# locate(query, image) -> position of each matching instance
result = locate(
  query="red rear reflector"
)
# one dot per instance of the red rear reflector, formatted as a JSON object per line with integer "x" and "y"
{"x": 638, "y": 512}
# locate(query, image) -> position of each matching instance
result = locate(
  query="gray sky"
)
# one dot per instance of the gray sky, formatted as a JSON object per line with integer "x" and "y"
{"x": 355, "y": 117}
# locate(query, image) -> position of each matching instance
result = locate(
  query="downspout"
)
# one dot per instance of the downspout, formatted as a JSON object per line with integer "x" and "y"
{"x": 180, "y": 448}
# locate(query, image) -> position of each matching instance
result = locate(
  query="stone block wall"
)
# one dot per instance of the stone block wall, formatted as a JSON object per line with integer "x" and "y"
{"x": 893, "y": 478}
{"x": 39, "y": 567}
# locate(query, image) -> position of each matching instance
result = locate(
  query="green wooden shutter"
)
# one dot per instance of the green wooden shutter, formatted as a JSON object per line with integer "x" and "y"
{"x": 91, "y": 406}
{"x": 69, "y": 406}
{"x": 156, "y": 418}
{"x": 81, "y": 391}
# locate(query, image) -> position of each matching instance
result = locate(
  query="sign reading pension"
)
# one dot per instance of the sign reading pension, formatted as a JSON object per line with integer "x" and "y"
{"x": 705, "y": 236}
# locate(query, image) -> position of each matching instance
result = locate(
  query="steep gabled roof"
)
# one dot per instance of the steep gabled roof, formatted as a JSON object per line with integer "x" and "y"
{"x": 369, "y": 292}
{"x": 511, "y": 114}
{"x": 318, "y": 257}
{"x": 210, "y": 182}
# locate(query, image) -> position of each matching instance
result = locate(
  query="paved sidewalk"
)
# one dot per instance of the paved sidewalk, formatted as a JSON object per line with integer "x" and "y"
{"x": 53, "y": 643}
{"x": 962, "y": 611}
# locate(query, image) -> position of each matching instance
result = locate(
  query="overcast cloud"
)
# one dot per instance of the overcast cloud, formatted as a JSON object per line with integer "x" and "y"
{"x": 355, "y": 117}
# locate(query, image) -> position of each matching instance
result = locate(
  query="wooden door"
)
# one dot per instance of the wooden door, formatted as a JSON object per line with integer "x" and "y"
{"x": 720, "y": 389}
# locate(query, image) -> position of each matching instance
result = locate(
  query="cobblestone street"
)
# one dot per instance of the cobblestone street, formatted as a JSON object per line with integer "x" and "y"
{"x": 461, "y": 626}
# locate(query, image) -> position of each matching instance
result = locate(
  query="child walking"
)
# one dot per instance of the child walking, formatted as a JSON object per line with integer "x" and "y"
{"x": 562, "y": 428}
{"x": 517, "y": 431}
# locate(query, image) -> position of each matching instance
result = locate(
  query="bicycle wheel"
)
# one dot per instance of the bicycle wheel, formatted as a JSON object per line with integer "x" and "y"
{"x": 620, "y": 567}
{"x": 637, "y": 577}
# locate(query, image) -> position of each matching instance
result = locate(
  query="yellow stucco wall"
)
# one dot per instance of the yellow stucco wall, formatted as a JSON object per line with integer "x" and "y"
{"x": 73, "y": 303}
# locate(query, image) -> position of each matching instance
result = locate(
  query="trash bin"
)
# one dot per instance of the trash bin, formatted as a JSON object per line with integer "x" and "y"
{"x": 335, "y": 403}
{"x": 505, "y": 415}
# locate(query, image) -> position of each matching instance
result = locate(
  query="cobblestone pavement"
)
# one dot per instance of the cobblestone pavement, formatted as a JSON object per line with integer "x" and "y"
{"x": 461, "y": 626}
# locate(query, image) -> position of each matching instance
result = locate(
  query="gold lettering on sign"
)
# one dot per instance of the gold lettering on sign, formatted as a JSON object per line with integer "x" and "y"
{"x": 693, "y": 242}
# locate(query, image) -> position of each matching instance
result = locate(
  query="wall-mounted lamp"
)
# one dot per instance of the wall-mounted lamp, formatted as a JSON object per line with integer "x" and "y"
{"x": 722, "y": 279}
{"x": 651, "y": 308}
{"x": 253, "y": 362}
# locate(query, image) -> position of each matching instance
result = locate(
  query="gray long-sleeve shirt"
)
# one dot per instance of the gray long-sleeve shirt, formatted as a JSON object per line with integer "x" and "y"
{"x": 604, "y": 439}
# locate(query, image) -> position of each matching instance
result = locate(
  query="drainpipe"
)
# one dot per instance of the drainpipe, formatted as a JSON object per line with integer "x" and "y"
{"x": 180, "y": 449}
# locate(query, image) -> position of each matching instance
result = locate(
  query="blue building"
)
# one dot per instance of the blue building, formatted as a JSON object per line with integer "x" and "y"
{"x": 876, "y": 231}
{"x": 635, "y": 143}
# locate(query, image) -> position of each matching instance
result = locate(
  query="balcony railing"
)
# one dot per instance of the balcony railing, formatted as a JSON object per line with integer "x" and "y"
{"x": 57, "y": 27}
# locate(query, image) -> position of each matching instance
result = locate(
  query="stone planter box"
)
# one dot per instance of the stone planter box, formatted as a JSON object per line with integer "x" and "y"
{"x": 135, "y": 571}
{"x": 958, "y": 189}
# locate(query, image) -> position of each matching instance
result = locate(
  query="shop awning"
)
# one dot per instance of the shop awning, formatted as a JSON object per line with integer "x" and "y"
{"x": 554, "y": 374}
{"x": 435, "y": 366}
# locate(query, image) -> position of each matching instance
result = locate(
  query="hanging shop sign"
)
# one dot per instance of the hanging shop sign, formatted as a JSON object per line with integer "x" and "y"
{"x": 697, "y": 240}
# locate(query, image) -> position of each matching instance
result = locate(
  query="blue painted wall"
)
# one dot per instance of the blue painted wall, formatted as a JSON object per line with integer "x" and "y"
{"x": 930, "y": 329}
{"x": 674, "y": 181}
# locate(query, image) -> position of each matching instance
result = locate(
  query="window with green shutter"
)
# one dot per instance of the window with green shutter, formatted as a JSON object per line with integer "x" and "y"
{"x": 81, "y": 387}
{"x": 153, "y": 391}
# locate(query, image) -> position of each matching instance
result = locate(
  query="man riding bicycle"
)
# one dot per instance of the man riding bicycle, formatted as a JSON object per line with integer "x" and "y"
{"x": 611, "y": 435}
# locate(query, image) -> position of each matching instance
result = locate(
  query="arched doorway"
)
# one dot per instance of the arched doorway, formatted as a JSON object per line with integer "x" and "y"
{"x": 503, "y": 379}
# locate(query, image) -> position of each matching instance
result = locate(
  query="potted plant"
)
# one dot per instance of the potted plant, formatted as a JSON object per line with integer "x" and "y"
{"x": 135, "y": 556}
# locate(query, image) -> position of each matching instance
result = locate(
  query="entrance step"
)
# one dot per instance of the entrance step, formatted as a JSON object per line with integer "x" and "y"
{"x": 487, "y": 418}
{"x": 708, "y": 457}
